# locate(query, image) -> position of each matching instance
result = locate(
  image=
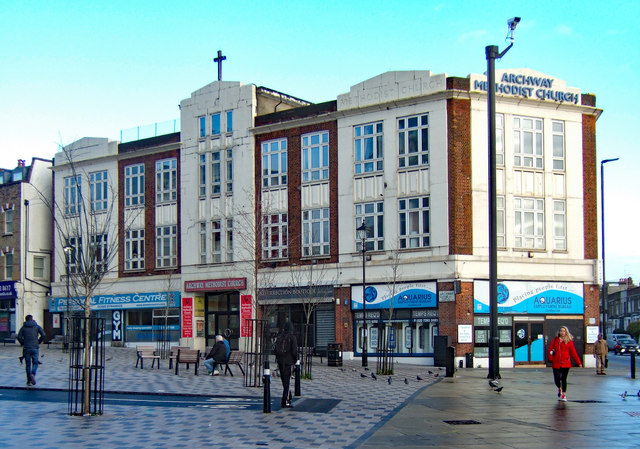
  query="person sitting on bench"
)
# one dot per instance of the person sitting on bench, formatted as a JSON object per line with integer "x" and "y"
{"x": 218, "y": 354}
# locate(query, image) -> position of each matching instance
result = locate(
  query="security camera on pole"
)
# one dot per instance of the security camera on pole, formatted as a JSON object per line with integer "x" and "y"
{"x": 493, "y": 53}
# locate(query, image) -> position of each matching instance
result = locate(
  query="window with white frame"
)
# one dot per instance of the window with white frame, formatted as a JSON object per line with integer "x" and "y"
{"x": 203, "y": 126}
{"x": 203, "y": 243}
{"x": 527, "y": 143}
{"x": 216, "y": 173}
{"x": 275, "y": 236}
{"x": 373, "y": 216}
{"x": 134, "y": 185}
{"x": 315, "y": 232}
{"x": 368, "y": 148}
{"x": 8, "y": 265}
{"x": 500, "y": 222}
{"x": 72, "y": 195}
{"x": 229, "y": 171}
{"x": 166, "y": 180}
{"x": 216, "y": 241}
{"x": 229, "y": 121}
{"x": 75, "y": 255}
{"x": 559, "y": 225}
{"x": 274, "y": 163}
{"x": 557, "y": 129}
{"x": 8, "y": 220}
{"x": 38, "y": 267}
{"x": 98, "y": 190}
{"x": 166, "y": 246}
{"x": 203, "y": 175}
{"x": 315, "y": 156}
{"x": 215, "y": 124}
{"x": 414, "y": 222}
{"x": 134, "y": 249}
{"x": 413, "y": 141}
{"x": 500, "y": 139}
{"x": 99, "y": 252}
{"x": 529, "y": 223}
{"x": 229, "y": 239}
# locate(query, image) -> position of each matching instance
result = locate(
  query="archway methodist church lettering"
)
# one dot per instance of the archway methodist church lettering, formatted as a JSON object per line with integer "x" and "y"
{"x": 528, "y": 86}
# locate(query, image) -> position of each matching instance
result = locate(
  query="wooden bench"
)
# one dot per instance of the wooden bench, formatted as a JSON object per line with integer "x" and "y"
{"x": 174, "y": 354}
{"x": 57, "y": 340}
{"x": 147, "y": 352}
{"x": 11, "y": 339}
{"x": 235, "y": 358}
{"x": 188, "y": 356}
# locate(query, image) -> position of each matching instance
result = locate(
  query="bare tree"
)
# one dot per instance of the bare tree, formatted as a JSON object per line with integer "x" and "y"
{"x": 309, "y": 280}
{"x": 86, "y": 226}
{"x": 386, "y": 363}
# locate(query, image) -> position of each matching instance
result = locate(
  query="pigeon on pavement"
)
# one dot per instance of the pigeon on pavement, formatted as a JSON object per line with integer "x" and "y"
{"x": 418, "y": 378}
{"x": 389, "y": 380}
{"x": 624, "y": 395}
{"x": 406, "y": 382}
{"x": 499, "y": 389}
{"x": 373, "y": 376}
{"x": 493, "y": 383}
{"x": 363, "y": 375}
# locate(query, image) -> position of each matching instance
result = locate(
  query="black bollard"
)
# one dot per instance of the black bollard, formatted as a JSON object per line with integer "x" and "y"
{"x": 297, "y": 381}
{"x": 266, "y": 401}
{"x": 633, "y": 364}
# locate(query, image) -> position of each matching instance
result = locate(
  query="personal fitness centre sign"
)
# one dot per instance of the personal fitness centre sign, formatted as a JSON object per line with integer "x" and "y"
{"x": 528, "y": 84}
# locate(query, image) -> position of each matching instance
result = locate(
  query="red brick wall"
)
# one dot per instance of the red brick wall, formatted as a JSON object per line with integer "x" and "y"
{"x": 294, "y": 173}
{"x": 459, "y": 162}
{"x": 591, "y": 309}
{"x": 149, "y": 162}
{"x": 344, "y": 318}
{"x": 451, "y": 314}
{"x": 589, "y": 185}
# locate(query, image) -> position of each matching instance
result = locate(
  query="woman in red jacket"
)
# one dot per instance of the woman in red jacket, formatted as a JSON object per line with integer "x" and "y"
{"x": 561, "y": 350}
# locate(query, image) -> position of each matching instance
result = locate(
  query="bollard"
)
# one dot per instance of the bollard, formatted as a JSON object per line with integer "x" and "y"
{"x": 449, "y": 365}
{"x": 297, "y": 381}
{"x": 633, "y": 364}
{"x": 266, "y": 400}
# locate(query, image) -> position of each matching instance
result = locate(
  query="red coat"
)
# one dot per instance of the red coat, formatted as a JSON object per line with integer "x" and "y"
{"x": 562, "y": 353}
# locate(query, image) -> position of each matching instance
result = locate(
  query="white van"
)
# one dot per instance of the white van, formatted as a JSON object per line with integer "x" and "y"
{"x": 612, "y": 339}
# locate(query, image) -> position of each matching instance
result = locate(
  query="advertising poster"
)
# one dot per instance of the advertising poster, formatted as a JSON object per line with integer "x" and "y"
{"x": 404, "y": 296}
{"x": 246, "y": 313}
{"x": 187, "y": 317}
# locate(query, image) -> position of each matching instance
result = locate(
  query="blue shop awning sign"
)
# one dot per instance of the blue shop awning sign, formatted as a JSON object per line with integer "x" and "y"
{"x": 8, "y": 290}
{"x": 401, "y": 296}
{"x": 120, "y": 301}
{"x": 531, "y": 297}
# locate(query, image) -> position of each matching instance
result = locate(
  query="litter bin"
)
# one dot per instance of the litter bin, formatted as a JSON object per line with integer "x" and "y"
{"x": 469, "y": 360}
{"x": 449, "y": 365}
{"x": 334, "y": 354}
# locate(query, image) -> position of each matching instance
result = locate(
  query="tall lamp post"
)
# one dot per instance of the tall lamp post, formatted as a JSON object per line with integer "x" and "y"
{"x": 362, "y": 235}
{"x": 492, "y": 52}
{"x": 604, "y": 278}
{"x": 67, "y": 255}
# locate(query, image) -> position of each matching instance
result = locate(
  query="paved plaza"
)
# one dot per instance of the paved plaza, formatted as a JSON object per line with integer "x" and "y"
{"x": 337, "y": 409}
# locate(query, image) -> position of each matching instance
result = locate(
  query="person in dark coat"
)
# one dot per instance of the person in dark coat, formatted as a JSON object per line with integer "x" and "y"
{"x": 286, "y": 356}
{"x": 30, "y": 336}
{"x": 218, "y": 354}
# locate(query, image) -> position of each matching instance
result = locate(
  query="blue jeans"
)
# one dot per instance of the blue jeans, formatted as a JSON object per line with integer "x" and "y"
{"x": 31, "y": 357}
{"x": 210, "y": 364}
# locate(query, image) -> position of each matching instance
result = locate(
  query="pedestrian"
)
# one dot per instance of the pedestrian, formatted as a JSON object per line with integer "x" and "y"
{"x": 30, "y": 336}
{"x": 561, "y": 350}
{"x": 218, "y": 354}
{"x": 286, "y": 350}
{"x": 600, "y": 353}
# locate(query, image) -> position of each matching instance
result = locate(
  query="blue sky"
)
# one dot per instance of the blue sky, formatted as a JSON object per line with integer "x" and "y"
{"x": 72, "y": 69}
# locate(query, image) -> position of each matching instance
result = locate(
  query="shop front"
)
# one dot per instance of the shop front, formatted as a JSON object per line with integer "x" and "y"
{"x": 130, "y": 317}
{"x": 8, "y": 296}
{"x": 402, "y": 316}
{"x": 529, "y": 316}
{"x": 217, "y": 309}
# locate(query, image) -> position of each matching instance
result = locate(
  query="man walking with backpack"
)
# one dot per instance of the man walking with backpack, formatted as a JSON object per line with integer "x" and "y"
{"x": 30, "y": 336}
{"x": 286, "y": 357}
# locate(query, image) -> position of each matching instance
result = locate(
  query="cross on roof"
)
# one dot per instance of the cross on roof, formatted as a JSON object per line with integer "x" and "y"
{"x": 219, "y": 60}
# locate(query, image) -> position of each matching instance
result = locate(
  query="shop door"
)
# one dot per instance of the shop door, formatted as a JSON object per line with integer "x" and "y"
{"x": 221, "y": 323}
{"x": 529, "y": 342}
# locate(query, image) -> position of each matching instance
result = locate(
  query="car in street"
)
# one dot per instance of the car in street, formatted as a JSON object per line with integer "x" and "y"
{"x": 626, "y": 346}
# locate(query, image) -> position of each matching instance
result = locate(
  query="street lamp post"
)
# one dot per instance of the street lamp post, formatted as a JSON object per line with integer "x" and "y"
{"x": 362, "y": 234}
{"x": 492, "y": 53}
{"x": 604, "y": 279}
{"x": 67, "y": 255}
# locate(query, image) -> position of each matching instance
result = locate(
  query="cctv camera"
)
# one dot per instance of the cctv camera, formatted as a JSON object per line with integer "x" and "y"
{"x": 513, "y": 22}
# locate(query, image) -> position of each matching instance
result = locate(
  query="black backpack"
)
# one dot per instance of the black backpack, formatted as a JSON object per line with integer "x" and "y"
{"x": 282, "y": 344}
